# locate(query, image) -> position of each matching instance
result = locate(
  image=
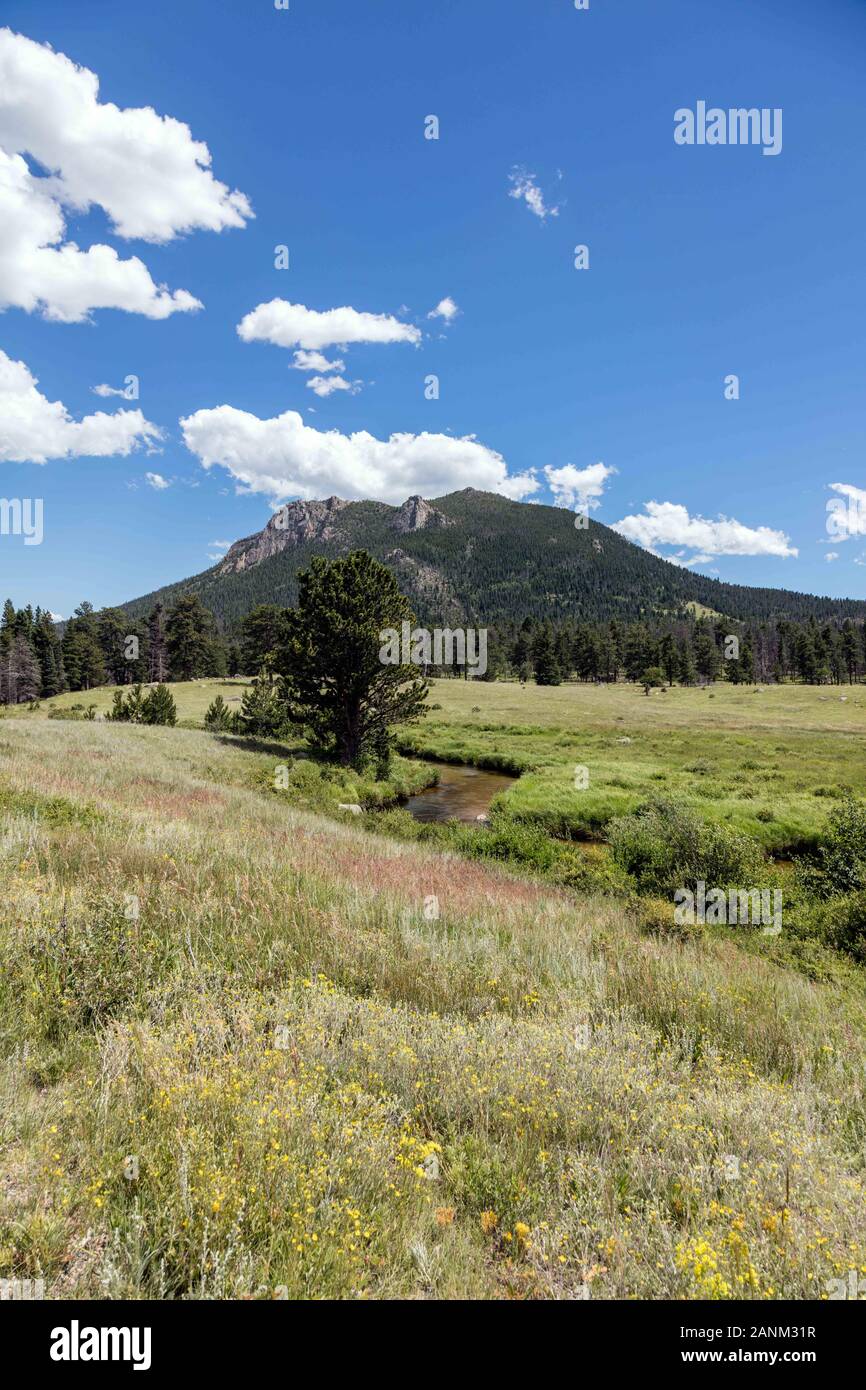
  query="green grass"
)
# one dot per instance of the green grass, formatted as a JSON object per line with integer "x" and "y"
{"x": 242, "y": 1057}
{"x": 765, "y": 764}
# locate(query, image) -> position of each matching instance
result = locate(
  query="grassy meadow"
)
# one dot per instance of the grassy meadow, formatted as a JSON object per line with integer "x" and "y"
{"x": 243, "y": 1057}
{"x": 763, "y": 761}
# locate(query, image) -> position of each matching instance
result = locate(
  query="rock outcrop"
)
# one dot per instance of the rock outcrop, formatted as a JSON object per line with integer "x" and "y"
{"x": 416, "y": 515}
{"x": 292, "y": 524}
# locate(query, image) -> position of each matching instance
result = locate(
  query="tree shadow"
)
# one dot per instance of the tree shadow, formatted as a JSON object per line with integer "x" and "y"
{"x": 269, "y": 746}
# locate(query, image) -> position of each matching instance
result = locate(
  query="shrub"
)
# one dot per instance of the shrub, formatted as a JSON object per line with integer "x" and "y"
{"x": 218, "y": 715}
{"x": 262, "y": 712}
{"x": 656, "y": 917}
{"x": 159, "y": 707}
{"x": 126, "y": 708}
{"x": 156, "y": 707}
{"x": 841, "y": 863}
{"x": 665, "y": 845}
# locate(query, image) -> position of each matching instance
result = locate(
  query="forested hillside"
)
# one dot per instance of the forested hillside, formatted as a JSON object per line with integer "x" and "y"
{"x": 477, "y": 557}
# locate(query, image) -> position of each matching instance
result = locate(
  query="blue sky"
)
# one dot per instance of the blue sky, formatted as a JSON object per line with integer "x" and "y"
{"x": 705, "y": 261}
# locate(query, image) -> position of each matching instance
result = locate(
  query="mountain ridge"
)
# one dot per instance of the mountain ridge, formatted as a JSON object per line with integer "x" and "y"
{"x": 475, "y": 556}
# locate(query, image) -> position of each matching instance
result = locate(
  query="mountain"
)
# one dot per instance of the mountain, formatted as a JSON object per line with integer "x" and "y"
{"x": 476, "y": 557}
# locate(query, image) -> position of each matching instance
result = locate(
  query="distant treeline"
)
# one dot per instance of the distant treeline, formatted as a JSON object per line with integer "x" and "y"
{"x": 183, "y": 643}
{"x": 687, "y": 651}
{"x": 107, "y": 648}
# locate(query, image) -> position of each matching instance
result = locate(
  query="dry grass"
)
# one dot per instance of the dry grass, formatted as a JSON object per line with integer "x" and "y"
{"x": 287, "y": 1074}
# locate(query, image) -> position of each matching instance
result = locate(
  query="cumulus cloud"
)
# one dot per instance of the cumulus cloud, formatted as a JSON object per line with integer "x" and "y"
{"x": 144, "y": 170}
{"x": 103, "y": 390}
{"x": 668, "y": 523}
{"x": 578, "y": 487}
{"x": 304, "y": 361}
{"x": 295, "y": 326}
{"x": 157, "y": 481}
{"x": 525, "y": 188}
{"x": 283, "y": 457}
{"x": 34, "y": 429}
{"x": 446, "y": 309}
{"x": 327, "y": 385}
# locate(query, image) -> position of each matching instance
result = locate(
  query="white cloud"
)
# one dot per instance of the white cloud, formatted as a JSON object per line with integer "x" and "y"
{"x": 327, "y": 385}
{"x": 157, "y": 481}
{"x": 446, "y": 309}
{"x": 315, "y": 362}
{"x": 668, "y": 523}
{"x": 34, "y": 429}
{"x": 220, "y": 545}
{"x": 104, "y": 390}
{"x": 831, "y": 556}
{"x": 146, "y": 171}
{"x": 525, "y": 188}
{"x": 284, "y": 457}
{"x": 294, "y": 325}
{"x": 578, "y": 487}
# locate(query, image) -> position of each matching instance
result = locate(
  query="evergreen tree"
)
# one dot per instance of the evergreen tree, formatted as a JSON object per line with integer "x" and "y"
{"x": 218, "y": 716}
{"x": 333, "y": 679}
{"x": 706, "y": 652}
{"x": 669, "y": 659}
{"x": 263, "y": 633}
{"x": 546, "y": 666}
{"x": 158, "y": 706}
{"x": 190, "y": 639}
{"x": 157, "y": 650}
{"x": 20, "y": 677}
{"x": 686, "y": 670}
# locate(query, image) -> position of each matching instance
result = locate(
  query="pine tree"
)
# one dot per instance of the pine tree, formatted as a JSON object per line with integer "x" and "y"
{"x": 189, "y": 634}
{"x": 158, "y": 652}
{"x": 263, "y": 632}
{"x": 686, "y": 670}
{"x": 158, "y": 706}
{"x": 547, "y": 670}
{"x": 218, "y": 716}
{"x": 668, "y": 657}
{"x": 20, "y": 676}
{"x": 333, "y": 679}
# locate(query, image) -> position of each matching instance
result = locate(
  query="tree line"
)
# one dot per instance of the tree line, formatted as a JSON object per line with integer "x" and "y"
{"x": 686, "y": 651}
{"x": 40, "y": 659}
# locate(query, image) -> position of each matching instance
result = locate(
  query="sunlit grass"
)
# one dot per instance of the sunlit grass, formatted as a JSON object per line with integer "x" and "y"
{"x": 251, "y": 1051}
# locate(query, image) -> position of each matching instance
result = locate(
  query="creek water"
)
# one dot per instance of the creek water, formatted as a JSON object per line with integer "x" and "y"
{"x": 462, "y": 793}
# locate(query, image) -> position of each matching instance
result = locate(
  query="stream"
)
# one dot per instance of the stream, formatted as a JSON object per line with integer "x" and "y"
{"x": 462, "y": 793}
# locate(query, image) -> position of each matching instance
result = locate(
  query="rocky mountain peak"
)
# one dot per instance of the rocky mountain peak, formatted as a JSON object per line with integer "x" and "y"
{"x": 416, "y": 514}
{"x": 292, "y": 524}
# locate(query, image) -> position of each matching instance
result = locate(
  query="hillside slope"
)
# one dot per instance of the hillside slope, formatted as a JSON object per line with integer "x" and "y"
{"x": 330, "y": 1096}
{"x": 477, "y": 557}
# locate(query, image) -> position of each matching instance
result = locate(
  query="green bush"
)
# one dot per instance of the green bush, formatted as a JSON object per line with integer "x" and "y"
{"x": 218, "y": 716}
{"x": 262, "y": 712}
{"x": 156, "y": 707}
{"x": 665, "y": 845}
{"x": 840, "y": 865}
